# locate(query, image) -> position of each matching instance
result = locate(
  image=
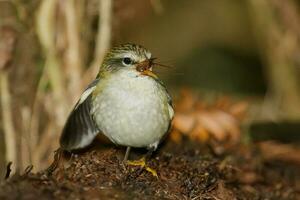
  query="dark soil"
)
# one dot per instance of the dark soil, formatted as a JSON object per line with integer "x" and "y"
{"x": 186, "y": 171}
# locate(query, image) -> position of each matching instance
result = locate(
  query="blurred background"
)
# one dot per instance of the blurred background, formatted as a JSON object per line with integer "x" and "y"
{"x": 51, "y": 49}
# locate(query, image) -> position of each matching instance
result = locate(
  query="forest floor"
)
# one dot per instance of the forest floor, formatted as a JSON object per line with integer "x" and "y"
{"x": 185, "y": 171}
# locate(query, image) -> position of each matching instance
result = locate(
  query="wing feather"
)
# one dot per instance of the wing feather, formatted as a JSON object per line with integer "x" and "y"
{"x": 80, "y": 129}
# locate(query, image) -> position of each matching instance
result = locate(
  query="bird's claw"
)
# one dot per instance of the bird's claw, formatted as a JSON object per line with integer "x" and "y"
{"x": 142, "y": 163}
{"x": 152, "y": 171}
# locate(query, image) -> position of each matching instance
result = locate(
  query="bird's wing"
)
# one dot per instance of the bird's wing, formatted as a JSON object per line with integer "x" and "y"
{"x": 170, "y": 106}
{"x": 169, "y": 99}
{"x": 80, "y": 129}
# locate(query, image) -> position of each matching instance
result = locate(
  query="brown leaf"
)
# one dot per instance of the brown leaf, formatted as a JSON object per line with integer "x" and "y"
{"x": 239, "y": 109}
{"x": 228, "y": 123}
{"x": 283, "y": 152}
{"x": 199, "y": 133}
{"x": 183, "y": 122}
{"x": 176, "y": 136}
{"x": 215, "y": 128}
{"x": 200, "y": 121}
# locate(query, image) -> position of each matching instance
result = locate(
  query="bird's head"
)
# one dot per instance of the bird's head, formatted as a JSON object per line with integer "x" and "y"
{"x": 128, "y": 57}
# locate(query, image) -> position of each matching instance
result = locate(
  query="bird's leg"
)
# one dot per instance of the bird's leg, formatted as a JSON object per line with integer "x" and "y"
{"x": 149, "y": 153}
{"x": 126, "y": 154}
{"x": 142, "y": 163}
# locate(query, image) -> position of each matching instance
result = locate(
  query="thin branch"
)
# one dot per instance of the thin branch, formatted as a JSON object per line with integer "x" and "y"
{"x": 9, "y": 131}
{"x": 8, "y": 170}
{"x": 52, "y": 72}
{"x": 103, "y": 39}
{"x": 104, "y": 33}
{"x": 73, "y": 58}
{"x": 25, "y": 150}
{"x": 278, "y": 43}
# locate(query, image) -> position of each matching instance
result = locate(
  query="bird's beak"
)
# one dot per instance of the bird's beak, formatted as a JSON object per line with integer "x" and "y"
{"x": 149, "y": 73}
{"x": 145, "y": 67}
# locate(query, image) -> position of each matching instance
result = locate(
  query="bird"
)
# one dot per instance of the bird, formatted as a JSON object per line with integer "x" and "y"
{"x": 126, "y": 102}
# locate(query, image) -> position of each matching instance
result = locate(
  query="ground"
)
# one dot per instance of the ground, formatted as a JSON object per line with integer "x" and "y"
{"x": 185, "y": 171}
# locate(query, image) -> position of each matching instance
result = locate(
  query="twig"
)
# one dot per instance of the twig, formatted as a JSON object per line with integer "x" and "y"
{"x": 46, "y": 17}
{"x": 8, "y": 170}
{"x": 9, "y": 131}
{"x": 7, "y": 46}
{"x": 104, "y": 33}
{"x": 57, "y": 157}
{"x": 278, "y": 42}
{"x": 44, "y": 145}
{"x": 73, "y": 58}
{"x": 103, "y": 39}
{"x": 25, "y": 150}
{"x": 271, "y": 150}
{"x": 27, "y": 170}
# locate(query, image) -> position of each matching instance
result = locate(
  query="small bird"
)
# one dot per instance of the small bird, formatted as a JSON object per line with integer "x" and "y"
{"x": 126, "y": 102}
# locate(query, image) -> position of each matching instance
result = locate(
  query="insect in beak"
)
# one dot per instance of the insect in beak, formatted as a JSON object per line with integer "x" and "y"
{"x": 146, "y": 67}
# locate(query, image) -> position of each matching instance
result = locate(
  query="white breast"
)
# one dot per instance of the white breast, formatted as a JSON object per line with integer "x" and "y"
{"x": 132, "y": 110}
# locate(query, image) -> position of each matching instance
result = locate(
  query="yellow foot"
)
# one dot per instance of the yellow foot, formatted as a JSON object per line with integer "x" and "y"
{"x": 152, "y": 171}
{"x": 142, "y": 163}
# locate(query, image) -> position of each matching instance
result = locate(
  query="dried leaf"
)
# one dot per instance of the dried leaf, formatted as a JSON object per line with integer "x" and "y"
{"x": 199, "y": 133}
{"x": 283, "y": 152}
{"x": 239, "y": 109}
{"x": 201, "y": 122}
{"x": 183, "y": 122}
{"x": 176, "y": 136}
{"x": 215, "y": 128}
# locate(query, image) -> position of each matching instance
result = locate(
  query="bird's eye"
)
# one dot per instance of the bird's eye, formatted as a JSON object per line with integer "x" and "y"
{"x": 127, "y": 61}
